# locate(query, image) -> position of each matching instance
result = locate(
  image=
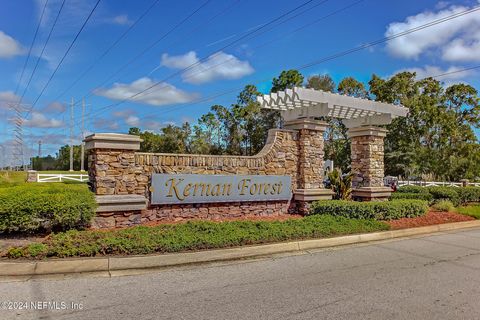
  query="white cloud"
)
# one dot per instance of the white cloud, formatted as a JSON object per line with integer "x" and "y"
{"x": 9, "y": 47}
{"x": 432, "y": 71}
{"x": 6, "y": 98}
{"x": 123, "y": 113}
{"x": 121, "y": 20}
{"x": 456, "y": 40}
{"x": 179, "y": 62}
{"x": 38, "y": 120}
{"x": 162, "y": 94}
{"x": 133, "y": 121}
{"x": 218, "y": 66}
{"x": 55, "y": 107}
{"x": 106, "y": 124}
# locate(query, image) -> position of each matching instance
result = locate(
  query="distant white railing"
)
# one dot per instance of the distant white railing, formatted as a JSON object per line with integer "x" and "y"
{"x": 435, "y": 184}
{"x": 61, "y": 177}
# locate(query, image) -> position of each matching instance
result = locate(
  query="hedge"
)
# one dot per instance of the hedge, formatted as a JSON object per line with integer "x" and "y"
{"x": 456, "y": 195}
{"x": 193, "y": 235}
{"x": 412, "y": 195}
{"x": 412, "y": 189}
{"x": 387, "y": 210}
{"x": 468, "y": 194}
{"x": 44, "y": 207}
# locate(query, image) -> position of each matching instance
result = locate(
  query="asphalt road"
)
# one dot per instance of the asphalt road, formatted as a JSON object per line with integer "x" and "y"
{"x": 432, "y": 277}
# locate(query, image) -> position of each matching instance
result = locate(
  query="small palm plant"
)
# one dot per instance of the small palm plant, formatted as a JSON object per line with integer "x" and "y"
{"x": 341, "y": 184}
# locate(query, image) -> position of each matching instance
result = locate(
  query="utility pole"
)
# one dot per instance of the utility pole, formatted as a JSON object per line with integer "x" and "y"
{"x": 39, "y": 161}
{"x": 82, "y": 160}
{"x": 71, "y": 136}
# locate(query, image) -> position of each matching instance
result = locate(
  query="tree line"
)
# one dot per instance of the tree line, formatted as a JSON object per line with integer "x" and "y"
{"x": 435, "y": 141}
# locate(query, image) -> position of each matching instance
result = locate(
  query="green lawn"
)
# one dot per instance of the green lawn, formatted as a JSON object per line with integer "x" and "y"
{"x": 12, "y": 177}
{"x": 472, "y": 210}
{"x": 64, "y": 172}
{"x": 193, "y": 235}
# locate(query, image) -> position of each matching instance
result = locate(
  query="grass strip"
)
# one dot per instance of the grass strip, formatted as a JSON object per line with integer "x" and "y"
{"x": 193, "y": 235}
{"x": 473, "y": 211}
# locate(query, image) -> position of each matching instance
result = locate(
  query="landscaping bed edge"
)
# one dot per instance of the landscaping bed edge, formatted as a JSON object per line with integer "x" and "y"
{"x": 16, "y": 270}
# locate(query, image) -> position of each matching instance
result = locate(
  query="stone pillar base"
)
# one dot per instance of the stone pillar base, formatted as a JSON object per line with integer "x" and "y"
{"x": 304, "y": 198}
{"x": 312, "y": 194}
{"x": 371, "y": 193}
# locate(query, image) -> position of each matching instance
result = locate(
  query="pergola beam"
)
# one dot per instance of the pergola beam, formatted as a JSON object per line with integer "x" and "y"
{"x": 300, "y": 103}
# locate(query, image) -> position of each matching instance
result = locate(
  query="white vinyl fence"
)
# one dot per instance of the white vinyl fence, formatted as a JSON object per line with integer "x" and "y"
{"x": 435, "y": 184}
{"x": 61, "y": 177}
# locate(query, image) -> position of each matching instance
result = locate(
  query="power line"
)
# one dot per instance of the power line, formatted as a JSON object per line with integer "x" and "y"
{"x": 343, "y": 53}
{"x": 101, "y": 110}
{"x": 337, "y": 55}
{"x": 152, "y": 45}
{"x": 64, "y": 56}
{"x": 109, "y": 49}
{"x": 31, "y": 46}
{"x": 43, "y": 50}
{"x": 453, "y": 72}
{"x": 210, "y": 55}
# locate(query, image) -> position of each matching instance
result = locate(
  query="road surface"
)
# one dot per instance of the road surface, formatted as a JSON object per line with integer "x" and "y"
{"x": 431, "y": 277}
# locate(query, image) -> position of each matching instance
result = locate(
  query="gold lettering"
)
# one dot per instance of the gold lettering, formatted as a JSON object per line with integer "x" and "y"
{"x": 242, "y": 185}
{"x": 173, "y": 187}
{"x": 274, "y": 189}
{"x": 279, "y": 188}
{"x": 186, "y": 191}
{"x": 216, "y": 190}
{"x": 265, "y": 190}
{"x": 227, "y": 189}
{"x": 253, "y": 189}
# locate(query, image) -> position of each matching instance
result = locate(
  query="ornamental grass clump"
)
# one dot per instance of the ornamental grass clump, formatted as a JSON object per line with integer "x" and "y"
{"x": 444, "y": 206}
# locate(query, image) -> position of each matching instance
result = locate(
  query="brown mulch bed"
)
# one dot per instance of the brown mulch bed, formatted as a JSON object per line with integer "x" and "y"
{"x": 431, "y": 218}
{"x": 278, "y": 217}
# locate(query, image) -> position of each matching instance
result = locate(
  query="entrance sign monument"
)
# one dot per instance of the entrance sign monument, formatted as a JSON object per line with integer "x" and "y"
{"x": 201, "y": 188}
{"x": 132, "y": 187}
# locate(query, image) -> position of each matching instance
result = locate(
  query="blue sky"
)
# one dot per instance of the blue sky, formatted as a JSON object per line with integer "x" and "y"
{"x": 205, "y": 38}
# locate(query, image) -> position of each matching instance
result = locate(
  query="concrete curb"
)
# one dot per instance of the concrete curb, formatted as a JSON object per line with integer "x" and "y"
{"x": 10, "y": 271}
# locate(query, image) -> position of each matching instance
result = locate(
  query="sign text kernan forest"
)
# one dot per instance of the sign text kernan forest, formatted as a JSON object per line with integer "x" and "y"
{"x": 202, "y": 188}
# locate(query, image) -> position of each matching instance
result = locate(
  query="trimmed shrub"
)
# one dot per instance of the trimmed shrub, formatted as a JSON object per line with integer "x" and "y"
{"x": 445, "y": 193}
{"x": 444, "y": 205}
{"x": 192, "y": 235}
{"x": 468, "y": 194}
{"x": 45, "y": 207}
{"x": 412, "y": 195}
{"x": 412, "y": 189}
{"x": 388, "y": 210}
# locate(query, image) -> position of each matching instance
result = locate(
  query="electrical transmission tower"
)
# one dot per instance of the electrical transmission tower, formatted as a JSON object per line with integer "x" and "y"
{"x": 18, "y": 160}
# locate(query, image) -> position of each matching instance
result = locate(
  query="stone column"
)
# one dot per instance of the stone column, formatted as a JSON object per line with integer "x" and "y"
{"x": 310, "y": 162}
{"x": 114, "y": 177}
{"x": 367, "y": 163}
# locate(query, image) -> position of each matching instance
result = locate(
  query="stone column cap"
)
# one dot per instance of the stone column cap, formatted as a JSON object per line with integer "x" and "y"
{"x": 116, "y": 141}
{"x": 367, "y": 131}
{"x": 306, "y": 123}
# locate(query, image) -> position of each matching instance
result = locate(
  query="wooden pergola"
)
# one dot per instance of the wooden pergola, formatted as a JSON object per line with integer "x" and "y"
{"x": 301, "y": 108}
{"x": 299, "y": 103}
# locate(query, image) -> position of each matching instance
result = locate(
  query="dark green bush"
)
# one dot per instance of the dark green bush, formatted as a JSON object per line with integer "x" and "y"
{"x": 371, "y": 210}
{"x": 412, "y": 195}
{"x": 412, "y": 189}
{"x": 43, "y": 207}
{"x": 468, "y": 194}
{"x": 445, "y": 193}
{"x": 194, "y": 235}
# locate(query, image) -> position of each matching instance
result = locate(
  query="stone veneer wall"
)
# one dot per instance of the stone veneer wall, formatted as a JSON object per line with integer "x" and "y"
{"x": 310, "y": 171}
{"x": 367, "y": 161}
{"x": 119, "y": 172}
